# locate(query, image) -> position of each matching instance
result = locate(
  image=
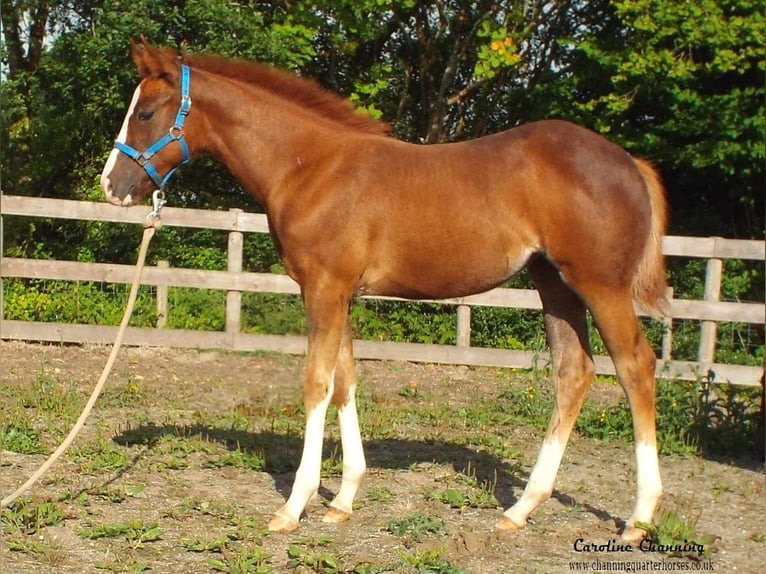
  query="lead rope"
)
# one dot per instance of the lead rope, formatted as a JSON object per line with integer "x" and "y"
{"x": 151, "y": 223}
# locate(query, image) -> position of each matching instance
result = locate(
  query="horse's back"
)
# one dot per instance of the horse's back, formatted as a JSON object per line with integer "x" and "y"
{"x": 451, "y": 219}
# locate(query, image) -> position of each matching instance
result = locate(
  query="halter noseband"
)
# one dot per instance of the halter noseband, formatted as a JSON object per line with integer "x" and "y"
{"x": 175, "y": 133}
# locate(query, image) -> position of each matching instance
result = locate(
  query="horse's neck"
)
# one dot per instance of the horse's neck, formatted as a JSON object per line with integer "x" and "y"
{"x": 259, "y": 138}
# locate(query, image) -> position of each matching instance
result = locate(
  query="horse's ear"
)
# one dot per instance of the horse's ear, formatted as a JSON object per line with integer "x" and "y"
{"x": 151, "y": 61}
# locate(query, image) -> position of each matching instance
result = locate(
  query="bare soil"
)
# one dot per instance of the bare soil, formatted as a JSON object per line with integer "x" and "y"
{"x": 594, "y": 492}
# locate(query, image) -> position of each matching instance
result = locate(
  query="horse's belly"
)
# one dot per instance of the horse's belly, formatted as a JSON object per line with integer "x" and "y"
{"x": 450, "y": 273}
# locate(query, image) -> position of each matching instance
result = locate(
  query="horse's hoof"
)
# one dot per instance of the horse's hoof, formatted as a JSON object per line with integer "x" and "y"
{"x": 336, "y": 516}
{"x": 282, "y": 523}
{"x": 633, "y": 534}
{"x": 506, "y": 523}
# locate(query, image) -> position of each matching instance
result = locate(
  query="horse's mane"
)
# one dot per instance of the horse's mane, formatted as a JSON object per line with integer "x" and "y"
{"x": 305, "y": 92}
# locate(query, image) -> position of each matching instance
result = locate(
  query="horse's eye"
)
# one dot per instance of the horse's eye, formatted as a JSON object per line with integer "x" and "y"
{"x": 145, "y": 115}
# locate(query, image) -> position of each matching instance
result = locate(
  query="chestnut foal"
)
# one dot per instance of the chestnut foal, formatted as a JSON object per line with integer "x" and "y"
{"x": 353, "y": 211}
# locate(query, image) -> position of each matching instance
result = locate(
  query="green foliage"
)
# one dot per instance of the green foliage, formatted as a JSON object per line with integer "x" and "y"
{"x": 416, "y": 526}
{"x": 307, "y": 552}
{"x": 532, "y": 405}
{"x": 19, "y": 436}
{"x": 81, "y": 302}
{"x": 202, "y": 309}
{"x": 273, "y": 314}
{"x": 692, "y": 417}
{"x": 683, "y": 83}
{"x": 134, "y": 531}
{"x": 674, "y": 532}
{"x": 27, "y": 517}
{"x": 430, "y": 561}
{"x": 403, "y": 321}
{"x": 246, "y": 561}
{"x": 99, "y": 456}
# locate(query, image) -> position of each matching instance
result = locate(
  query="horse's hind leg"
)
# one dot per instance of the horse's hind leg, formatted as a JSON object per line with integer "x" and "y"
{"x": 634, "y": 362}
{"x": 573, "y": 373}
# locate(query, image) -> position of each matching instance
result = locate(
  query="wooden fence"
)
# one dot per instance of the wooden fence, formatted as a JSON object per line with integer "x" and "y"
{"x": 235, "y": 281}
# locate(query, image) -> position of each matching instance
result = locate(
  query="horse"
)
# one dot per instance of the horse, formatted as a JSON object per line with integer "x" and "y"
{"x": 354, "y": 211}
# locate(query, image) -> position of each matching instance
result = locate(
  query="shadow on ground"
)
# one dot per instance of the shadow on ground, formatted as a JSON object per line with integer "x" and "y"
{"x": 282, "y": 451}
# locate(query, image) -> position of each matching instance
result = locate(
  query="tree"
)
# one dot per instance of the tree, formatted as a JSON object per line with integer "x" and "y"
{"x": 682, "y": 83}
{"x": 679, "y": 82}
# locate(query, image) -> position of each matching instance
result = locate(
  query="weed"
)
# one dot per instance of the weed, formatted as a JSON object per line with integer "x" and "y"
{"x": 531, "y": 405}
{"x": 43, "y": 549}
{"x": 19, "y": 436}
{"x": 306, "y": 552}
{"x": 332, "y": 464}
{"x": 132, "y": 567}
{"x": 410, "y": 391}
{"x": 253, "y": 560}
{"x": 455, "y": 498}
{"x": 50, "y": 397}
{"x": 378, "y": 494}
{"x": 416, "y": 526}
{"x": 217, "y": 544}
{"x": 99, "y": 456}
{"x": 719, "y": 487}
{"x": 691, "y": 418}
{"x": 129, "y": 394}
{"x": 430, "y": 561}
{"x": 135, "y": 532}
{"x": 239, "y": 459}
{"x": 27, "y": 517}
{"x": 674, "y": 533}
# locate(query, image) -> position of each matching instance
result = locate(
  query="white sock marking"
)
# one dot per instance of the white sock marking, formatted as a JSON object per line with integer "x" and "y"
{"x": 648, "y": 482}
{"x": 354, "y": 464}
{"x": 540, "y": 483}
{"x": 309, "y": 471}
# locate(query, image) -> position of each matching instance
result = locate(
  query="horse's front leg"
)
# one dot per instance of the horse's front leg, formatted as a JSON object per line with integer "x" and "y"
{"x": 326, "y": 310}
{"x": 344, "y": 399}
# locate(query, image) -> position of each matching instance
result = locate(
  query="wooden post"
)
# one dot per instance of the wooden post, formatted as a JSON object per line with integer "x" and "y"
{"x": 667, "y": 335}
{"x": 162, "y": 298}
{"x": 708, "y": 331}
{"x": 234, "y": 298}
{"x": 463, "y": 325}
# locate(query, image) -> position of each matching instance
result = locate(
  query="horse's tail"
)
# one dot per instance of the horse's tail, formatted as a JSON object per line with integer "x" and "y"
{"x": 649, "y": 284}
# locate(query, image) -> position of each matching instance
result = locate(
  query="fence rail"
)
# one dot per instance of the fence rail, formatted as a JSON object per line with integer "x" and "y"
{"x": 235, "y": 281}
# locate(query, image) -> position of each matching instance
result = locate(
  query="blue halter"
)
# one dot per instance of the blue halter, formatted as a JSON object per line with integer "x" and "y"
{"x": 175, "y": 133}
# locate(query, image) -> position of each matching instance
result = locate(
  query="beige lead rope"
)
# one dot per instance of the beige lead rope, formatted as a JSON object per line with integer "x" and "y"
{"x": 152, "y": 222}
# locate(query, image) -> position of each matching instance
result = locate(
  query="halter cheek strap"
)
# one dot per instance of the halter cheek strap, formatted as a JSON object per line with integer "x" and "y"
{"x": 175, "y": 134}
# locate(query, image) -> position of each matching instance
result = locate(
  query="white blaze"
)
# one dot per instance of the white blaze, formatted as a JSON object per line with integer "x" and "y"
{"x": 121, "y": 137}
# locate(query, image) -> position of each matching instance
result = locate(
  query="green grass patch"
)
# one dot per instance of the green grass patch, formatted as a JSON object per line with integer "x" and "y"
{"x": 135, "y": 532}
{"x": 27, "y": 517}
{"x": 674, "y": 533}
{"x": 416, "y": 527}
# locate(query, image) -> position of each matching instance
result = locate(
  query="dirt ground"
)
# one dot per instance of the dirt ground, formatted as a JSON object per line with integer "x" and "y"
{"x": 594, "y": 492}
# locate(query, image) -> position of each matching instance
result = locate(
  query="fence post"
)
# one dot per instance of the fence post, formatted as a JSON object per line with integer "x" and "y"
{"x": 708, "y": 331}
{"x": 667, "y": 335}
{"x": 234, "y": 298}
{"x": 162, "y": 297}
{"x": 463, "y": 325}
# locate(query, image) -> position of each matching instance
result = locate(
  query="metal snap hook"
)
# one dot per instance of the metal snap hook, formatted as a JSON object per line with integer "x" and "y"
{"x": 153, "y": 217}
